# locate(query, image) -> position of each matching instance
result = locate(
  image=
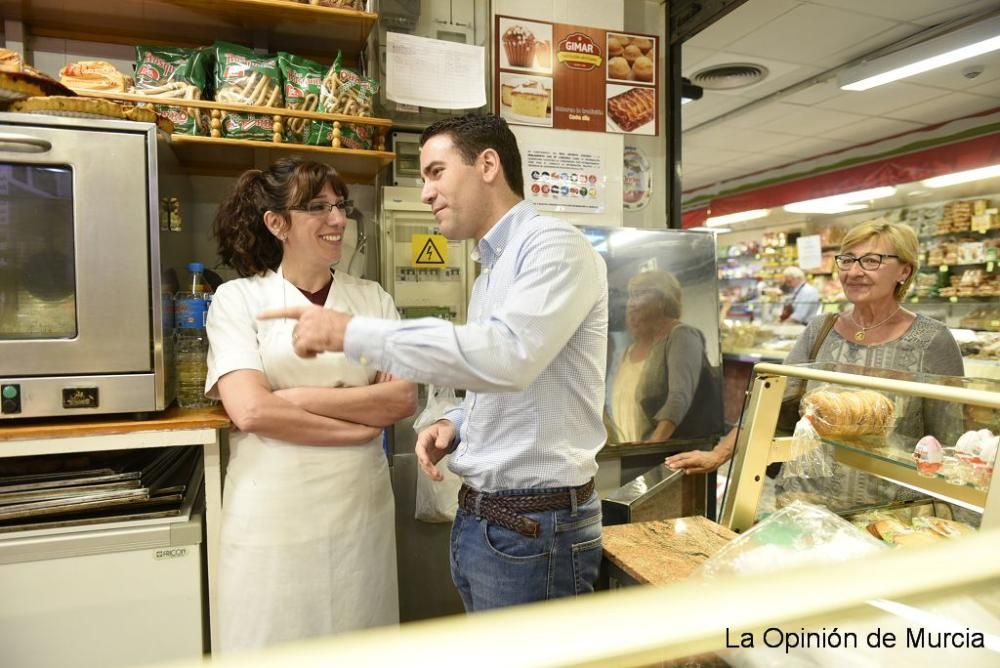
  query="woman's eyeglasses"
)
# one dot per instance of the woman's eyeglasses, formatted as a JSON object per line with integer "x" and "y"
{"x": 868, "y": 261}
{"x": 325, "y": 208}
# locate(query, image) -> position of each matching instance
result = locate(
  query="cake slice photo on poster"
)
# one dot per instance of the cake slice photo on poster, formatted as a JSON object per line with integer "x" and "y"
{"x": 525, "y": 45}
{"x": 526, "y": 100}
{"x": 631, "y": 109}
{"x": 631, "y": 58}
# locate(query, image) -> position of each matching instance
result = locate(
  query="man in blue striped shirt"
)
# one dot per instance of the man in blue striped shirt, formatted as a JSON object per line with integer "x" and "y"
{"x": 532, "y": 359}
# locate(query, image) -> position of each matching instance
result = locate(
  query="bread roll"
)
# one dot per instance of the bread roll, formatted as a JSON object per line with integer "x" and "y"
{"x": 848, "y": 413}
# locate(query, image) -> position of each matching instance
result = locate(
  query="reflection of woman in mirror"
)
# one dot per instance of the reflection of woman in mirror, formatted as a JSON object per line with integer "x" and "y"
{"x": 661, "y": 371}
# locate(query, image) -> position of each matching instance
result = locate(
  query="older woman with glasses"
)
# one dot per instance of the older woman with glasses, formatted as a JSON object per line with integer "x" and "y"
{"x": 308, "y": 531}
{"x": 877, "y": 263}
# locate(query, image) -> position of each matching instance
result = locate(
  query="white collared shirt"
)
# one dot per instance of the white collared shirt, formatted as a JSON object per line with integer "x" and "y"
{"x": 532, "y": 356}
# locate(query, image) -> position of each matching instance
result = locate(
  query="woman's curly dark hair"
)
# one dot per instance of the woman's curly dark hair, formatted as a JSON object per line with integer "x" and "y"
{"x": 245, "y": 243}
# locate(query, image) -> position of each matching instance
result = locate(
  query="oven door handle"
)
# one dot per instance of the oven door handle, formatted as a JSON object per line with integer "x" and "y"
{"x": 26, "y": 143}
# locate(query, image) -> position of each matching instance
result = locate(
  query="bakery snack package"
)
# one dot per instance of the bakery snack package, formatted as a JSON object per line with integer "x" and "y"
{"x": 303, "y": 79}
{"x": 344, "y": 91}
{"x": 174, "y": 73}
{"x": 245, "y": 77}
{"x": 94, "y": 75}
{"x": 836, "y": 413}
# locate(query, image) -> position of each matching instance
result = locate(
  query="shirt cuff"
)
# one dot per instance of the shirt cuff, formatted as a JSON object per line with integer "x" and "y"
{"x": 365, "y": 339}
{"x": 456, "y": 416}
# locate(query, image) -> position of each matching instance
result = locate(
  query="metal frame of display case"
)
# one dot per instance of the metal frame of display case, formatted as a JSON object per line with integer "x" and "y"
{"x": 756, "y": 446}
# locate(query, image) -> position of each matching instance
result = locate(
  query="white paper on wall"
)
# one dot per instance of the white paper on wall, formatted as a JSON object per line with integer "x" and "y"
{"x": 434, "y": 73}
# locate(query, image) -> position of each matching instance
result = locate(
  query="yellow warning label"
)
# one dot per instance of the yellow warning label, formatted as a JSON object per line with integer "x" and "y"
{"x": 429, "y": 250}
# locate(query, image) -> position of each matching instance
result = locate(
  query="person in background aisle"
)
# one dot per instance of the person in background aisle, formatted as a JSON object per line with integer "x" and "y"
{"x": 878, "y": 261}
{"x": 308, "y": 531}
{"x": 532, "y": 357}
{"x": 803, "y": 304}
{"x": 663, "y": 387}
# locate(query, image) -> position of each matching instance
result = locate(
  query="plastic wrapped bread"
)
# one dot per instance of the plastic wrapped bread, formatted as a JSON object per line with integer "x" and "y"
{"x": 848, "y": 413}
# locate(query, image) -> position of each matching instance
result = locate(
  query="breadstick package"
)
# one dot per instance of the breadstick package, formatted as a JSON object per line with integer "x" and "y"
{"x": 174, "y": 73}
{"x": 303, "y": 82}
{"x": 835, "y": 412}
{"x": 344, "y": 91}
{"x": 245, "y": 77}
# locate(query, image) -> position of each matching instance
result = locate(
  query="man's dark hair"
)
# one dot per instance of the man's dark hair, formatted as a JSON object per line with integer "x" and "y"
{"x": 473, "y": 134}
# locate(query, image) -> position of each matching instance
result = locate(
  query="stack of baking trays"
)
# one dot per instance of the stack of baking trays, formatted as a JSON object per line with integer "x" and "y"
{"x": 75, "y": 490}
{"x": 104, "y": 552}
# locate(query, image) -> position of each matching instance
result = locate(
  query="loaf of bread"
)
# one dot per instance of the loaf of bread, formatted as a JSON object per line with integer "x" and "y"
{"x": 853, "y": 413}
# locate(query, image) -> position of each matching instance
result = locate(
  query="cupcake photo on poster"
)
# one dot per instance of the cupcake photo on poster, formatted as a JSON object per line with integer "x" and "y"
{"x": 631, "y": 109}
{"x": 526, "y": 100}
{"x": 525, "y": 45}
{"x": 631, "y": 58}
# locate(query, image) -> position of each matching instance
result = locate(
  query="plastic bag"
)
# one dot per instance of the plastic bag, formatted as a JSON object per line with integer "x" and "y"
{"x": 795, "y": 535}
{"x": 808, "y": 458}
{"x": 436, "y": 501}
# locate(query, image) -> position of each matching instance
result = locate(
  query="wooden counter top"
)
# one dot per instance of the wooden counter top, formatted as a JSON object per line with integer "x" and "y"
{"x": 663, "y": 551}
{"x": 173, "y": 418}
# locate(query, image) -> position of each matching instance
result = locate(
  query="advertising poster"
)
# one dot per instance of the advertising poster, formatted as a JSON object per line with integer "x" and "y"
{"x": 576, "y": 78}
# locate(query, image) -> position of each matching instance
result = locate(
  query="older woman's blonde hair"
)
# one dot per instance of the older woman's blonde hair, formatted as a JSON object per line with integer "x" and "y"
{"x": 902, "y": 239}
{"x": 665, "y": 284}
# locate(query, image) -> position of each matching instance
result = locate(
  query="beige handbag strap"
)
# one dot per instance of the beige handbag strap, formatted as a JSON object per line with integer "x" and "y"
{"x": 831, "y": 320}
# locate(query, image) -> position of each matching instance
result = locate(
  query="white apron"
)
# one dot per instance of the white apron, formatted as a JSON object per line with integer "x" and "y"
{"x": 308, "y": 533}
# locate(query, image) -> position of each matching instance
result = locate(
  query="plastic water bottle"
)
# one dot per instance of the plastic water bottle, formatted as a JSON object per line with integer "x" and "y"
{"x": 191, "y": 344}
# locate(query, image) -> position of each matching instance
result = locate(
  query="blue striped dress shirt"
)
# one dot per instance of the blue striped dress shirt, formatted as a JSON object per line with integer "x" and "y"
{"x": 532, "y": 356}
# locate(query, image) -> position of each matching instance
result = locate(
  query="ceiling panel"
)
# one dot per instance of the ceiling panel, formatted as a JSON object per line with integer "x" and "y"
{"x": 945, "y": 108}
{"x": 740, "y": 22}
{"x": 808, "y": 33}
{"x": 882, "y": 99}
{"x": 799, "y": 112}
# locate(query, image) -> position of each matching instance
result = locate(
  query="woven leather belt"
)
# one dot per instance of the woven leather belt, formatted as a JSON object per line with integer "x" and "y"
{"x": 508, "y": 511}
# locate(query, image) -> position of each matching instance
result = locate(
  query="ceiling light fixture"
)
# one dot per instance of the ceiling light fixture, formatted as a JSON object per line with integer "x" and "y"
{"x": 955, "y": 178}
{"x": 713, "y": 230}
{"x": 740, "y": 217}
{"x": 967, "y": 42}
{"x": 840, "y": 203}
{"x": 690, "y": 92}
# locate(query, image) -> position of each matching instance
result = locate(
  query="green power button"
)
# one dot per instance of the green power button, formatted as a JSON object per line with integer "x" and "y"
{"x": 9, "y": 391}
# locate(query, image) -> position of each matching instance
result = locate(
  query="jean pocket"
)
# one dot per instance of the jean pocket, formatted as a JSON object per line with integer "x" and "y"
{"x": 587, "y": 557}
{"x": 509, "y": 544}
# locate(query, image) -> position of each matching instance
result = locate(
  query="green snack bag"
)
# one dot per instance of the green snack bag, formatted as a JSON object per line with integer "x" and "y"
{"x": 244, "y": 77}
{"x": 343, "y": 91}
{"x": 303, "y": 79}
{"x": 173, "y": 73}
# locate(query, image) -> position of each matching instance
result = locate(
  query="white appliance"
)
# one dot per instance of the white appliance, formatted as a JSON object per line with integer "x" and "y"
{"x": 114, "y": 594}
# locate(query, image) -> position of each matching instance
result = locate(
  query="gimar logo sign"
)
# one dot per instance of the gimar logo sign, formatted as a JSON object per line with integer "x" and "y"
{"x": 579, "y": 52}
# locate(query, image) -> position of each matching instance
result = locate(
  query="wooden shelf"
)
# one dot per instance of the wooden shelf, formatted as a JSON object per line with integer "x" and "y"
{"x": 306, "y": 30}
{"x": 208, "y": 155}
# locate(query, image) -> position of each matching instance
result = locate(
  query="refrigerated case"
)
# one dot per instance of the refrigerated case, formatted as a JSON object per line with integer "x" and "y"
{"x": 935, "y": 439}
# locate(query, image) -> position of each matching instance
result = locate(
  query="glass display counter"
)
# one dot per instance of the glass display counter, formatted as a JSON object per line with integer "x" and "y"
{"x": 881, "y": 437}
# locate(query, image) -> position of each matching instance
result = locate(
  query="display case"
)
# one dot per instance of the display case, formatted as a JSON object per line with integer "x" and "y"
{"x": 880, "y": 438}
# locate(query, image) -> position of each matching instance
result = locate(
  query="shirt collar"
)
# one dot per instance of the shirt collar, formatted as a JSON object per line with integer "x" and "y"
{"x": 491, "y": 246}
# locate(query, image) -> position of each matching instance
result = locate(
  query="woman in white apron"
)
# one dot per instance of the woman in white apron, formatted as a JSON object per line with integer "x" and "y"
{"x": 308, "y": 535}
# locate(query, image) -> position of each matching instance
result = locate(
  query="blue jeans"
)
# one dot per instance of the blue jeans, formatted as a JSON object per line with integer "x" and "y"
{"x": 495, "y": 567}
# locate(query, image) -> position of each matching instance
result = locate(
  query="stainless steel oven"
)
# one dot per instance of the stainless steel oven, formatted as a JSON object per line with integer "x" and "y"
{"x": 82, "y": 319}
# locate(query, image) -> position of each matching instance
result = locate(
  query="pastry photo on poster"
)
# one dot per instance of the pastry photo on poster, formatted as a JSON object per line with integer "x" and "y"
{"x": 631, "y": 58}
{"x": 526, "y": 99}
{"x": 631, "y": 109}
{"x": 525, "y": 45}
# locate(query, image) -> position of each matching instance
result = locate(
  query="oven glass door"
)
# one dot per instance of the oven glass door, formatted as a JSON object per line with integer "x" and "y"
{"x": 37, "y": 266}
{"x": 75, "y": 229}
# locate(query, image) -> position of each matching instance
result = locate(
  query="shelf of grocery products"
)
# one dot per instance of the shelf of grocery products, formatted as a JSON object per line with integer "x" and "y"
{"x": 221, "y": 154}
{"x": 284, "y": 24}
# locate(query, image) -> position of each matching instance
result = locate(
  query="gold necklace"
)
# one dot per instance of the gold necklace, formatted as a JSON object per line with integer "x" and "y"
{"x": 860, "y": 334}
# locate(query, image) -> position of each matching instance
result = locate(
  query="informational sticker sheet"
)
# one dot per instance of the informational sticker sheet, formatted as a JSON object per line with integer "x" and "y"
{"x": 434, "y": 73}
{"x": 810, "y": 251}
{"x": 557, "y": 179}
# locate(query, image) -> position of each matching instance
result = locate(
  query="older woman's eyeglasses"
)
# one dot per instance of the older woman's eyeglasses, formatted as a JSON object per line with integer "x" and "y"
{"x": 325, "y": 208}
{"x": 868, "y": 261}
